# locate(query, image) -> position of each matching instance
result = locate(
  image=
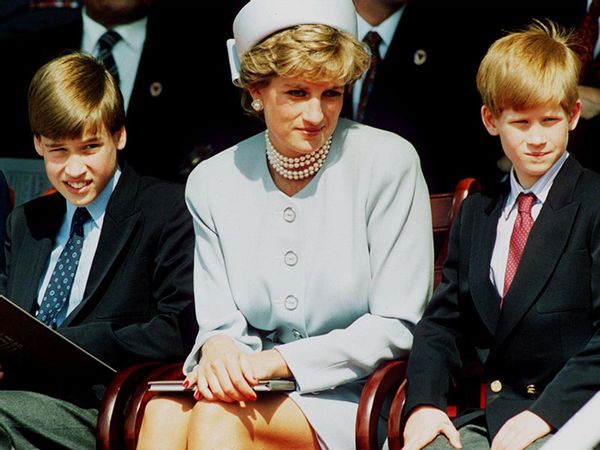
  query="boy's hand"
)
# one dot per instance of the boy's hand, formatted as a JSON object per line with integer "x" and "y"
{"x": 520, "y": 431}
{"x": 423, "y": 426}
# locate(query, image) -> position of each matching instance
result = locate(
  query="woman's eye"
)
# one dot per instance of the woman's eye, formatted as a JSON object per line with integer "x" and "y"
{"x": 296, "y": 93}
{"x": 332, "y": 93}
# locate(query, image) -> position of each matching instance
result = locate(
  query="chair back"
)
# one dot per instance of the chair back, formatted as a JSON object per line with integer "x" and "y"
{"x": 444, "y": 208}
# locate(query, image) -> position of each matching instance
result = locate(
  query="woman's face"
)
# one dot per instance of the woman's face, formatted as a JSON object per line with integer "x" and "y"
{"x": 300, "y": 115}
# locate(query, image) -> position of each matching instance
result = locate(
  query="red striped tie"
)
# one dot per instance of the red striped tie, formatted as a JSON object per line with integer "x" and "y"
{"x": 518, "y": 238}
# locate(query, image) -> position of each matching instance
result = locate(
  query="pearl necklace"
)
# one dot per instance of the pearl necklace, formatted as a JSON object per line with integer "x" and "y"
{"x": 299, "y": 167}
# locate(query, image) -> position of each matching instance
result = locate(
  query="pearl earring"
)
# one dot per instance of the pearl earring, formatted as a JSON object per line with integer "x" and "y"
{"x": 257, "y": 105}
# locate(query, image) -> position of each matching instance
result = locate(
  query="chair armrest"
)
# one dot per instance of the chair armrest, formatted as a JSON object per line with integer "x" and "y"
{"x": 109, "y": 428}
{"x": 395, "y": 424}
{"x": 134, "y": 411}
{"x": 379, "y": 385}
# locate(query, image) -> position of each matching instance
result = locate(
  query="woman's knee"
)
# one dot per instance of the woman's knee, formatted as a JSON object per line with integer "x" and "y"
{"x": 161, "y": 407}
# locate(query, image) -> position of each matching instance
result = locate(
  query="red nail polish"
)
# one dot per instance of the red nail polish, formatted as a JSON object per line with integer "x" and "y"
{"x": 186, "y": 384}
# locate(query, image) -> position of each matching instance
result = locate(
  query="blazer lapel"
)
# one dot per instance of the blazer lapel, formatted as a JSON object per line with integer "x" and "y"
{"x": 485, "y": 296}
{"x": 120, "y": 221}
{"x": 34, "y": 253}
{"x": 544, "y": 247}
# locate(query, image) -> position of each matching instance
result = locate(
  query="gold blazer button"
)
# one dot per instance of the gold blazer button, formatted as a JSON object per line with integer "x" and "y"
{"x": 531, "y": 389}
{"x": 496, "y": 386}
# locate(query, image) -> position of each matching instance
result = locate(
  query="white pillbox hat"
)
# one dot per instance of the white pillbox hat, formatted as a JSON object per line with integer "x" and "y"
{"x": 261, "y": 18}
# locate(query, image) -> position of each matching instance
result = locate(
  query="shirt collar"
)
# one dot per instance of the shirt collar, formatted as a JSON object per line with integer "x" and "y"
{"x": 540, "y": 188}
{"x": 385, "y": 29}
{"x": 98, "y": 207}
{"x": 132, "y": 34}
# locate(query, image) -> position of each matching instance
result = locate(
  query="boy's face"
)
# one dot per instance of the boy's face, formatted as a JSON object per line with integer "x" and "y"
{"x": 80, "y": 168}
{"x": 532, "y": 139}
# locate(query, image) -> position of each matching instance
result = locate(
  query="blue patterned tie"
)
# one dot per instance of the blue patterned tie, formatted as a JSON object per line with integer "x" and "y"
{"x": 59, "y": 288}
{"x": 105, "y": 44}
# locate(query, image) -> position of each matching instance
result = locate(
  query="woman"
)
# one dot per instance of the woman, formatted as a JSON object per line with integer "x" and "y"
{"x": 313, "y": 247}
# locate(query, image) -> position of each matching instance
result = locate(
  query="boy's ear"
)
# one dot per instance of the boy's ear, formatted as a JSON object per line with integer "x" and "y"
{"x": 120, "y": 138}
{"x": 575, "y": 115}
{"x": 37, "y": 143}
{"x": 489, "y": 120}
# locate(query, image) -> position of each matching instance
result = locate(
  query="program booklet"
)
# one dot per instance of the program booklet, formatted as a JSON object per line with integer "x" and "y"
{"x": 29, "y": 348}
{"x": 263, "y": 385}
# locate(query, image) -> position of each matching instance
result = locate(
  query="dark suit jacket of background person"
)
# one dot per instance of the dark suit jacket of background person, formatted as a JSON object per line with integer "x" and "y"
{"x": 140, "y": 282}
{"x": 434, "y": 103}
{"x": 183, "y": 105}
{"x": 5, "y": 207}
{"x": 547, "y": 335}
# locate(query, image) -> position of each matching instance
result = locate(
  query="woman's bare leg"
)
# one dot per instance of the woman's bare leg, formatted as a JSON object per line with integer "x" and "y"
{"x": 274, "y": 421}
{"x": 165, "y": 423}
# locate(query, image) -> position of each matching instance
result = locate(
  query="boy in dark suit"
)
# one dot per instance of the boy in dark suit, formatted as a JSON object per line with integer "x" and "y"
{"x": 121, "y": 287}
{"x": 522, "y": 280}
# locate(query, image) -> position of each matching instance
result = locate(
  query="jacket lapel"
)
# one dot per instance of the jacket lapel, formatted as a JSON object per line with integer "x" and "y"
{"x": 544, "y": 247}
{"x": 485, "y": 296}
{"x": 35, "y": 251}
{"x": 120, "y": 221}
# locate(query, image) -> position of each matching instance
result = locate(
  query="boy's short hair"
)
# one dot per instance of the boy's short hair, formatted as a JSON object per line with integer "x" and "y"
{"x": 529, "y": 68}
{"x": 72, "y": 94}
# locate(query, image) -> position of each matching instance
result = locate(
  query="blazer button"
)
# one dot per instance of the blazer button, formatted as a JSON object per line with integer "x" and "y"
{"x": 290, "y": 258}
{"x": 531, "y": 389}
{"x": 297, "y": 334}
{"x": 291, "y": 302}
{"x": 496, "y": 386}
{"x": 289, "y": 215}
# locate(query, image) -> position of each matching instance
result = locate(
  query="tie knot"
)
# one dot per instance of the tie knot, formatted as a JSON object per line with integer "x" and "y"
{"x": 372, "y": 39}
{"x": 108, "y": 40}
{"x": 80, "y": 217}
{"x": 525, "y": 202}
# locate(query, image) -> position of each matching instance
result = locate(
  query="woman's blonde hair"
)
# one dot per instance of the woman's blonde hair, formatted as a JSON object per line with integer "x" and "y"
{"x": 529, "y": 68}
{"x": 72, "y": 94}
{"x": 313, "y": 52}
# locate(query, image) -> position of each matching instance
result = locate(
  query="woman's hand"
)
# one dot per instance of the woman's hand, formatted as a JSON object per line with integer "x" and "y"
{"x": 226, "y": 374}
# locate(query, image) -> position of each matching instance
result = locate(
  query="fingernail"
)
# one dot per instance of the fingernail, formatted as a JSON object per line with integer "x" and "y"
{"x": 186, "y": 384}
{"x": 197, "y": 395}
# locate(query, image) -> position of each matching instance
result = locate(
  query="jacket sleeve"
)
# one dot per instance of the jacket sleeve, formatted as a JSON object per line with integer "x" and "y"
{"x": 435, "y": 355}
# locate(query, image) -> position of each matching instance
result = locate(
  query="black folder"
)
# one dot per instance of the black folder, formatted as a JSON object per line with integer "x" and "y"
{"x": 28, "y": 348}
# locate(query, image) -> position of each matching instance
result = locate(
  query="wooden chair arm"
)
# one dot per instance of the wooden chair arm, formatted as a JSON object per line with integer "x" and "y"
{"x": 381, "y": 383}
{"x": 395, "y": 425}
{"x": 134, "y": 411}
{"x": 109, "y": 430}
